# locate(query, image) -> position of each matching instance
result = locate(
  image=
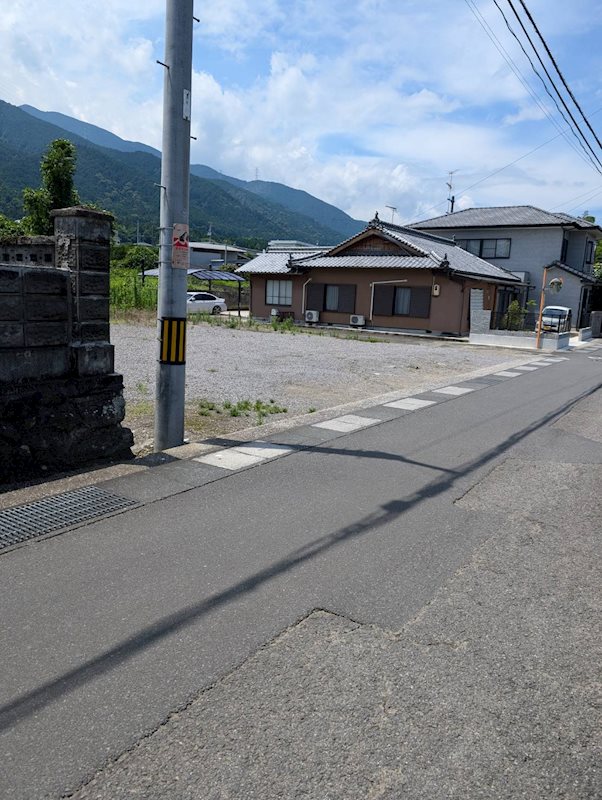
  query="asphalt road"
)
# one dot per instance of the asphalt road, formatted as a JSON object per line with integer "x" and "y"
{"x": 110, "y": 628}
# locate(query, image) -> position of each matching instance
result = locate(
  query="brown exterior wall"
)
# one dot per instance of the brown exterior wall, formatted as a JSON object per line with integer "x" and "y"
{"x": 259, "y": 307}
{"x": 449, "y": 311}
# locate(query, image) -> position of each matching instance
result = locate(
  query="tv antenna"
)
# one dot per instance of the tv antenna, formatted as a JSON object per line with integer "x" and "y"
{"x": 393, "y": 210}
{"x": 450, "y": 198}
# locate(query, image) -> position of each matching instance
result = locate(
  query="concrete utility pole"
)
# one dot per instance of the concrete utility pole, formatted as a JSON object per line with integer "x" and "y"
{"x": 173, "y": 250}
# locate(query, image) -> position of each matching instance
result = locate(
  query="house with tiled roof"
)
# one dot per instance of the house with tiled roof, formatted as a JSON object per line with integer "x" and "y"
{"x": 386, "y": 277}
{"x": 524, "y": 240}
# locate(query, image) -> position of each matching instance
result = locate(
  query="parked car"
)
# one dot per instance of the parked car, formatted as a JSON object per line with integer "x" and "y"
{"x": 556, "y": 319}
{"x": 205, "y": 302}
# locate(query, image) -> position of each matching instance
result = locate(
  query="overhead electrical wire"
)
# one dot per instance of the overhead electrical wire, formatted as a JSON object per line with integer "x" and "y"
{"x": 576, "y": 125}
{"x": 557, "y": 68}
{"x": 508, "y": 59}
{"x": 587, "y": 195}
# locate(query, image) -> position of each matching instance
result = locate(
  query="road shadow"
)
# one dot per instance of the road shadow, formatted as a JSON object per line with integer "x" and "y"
{"x": 33, "y": 701}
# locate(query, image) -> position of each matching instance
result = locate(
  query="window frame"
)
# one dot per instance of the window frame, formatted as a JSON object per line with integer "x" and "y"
{"x": 283, "y": 292}
{"x": 478, "y": 250}
{"x": 317, "y": 294}
{"x": 385, "y": 301}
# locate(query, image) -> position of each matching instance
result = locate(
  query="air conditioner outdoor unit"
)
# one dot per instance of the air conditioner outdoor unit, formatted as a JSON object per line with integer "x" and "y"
{"x": 357, "y": 319}
{"x": 312, "y": 316}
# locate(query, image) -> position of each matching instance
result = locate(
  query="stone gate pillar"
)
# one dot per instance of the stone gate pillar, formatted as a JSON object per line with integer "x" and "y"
{"x": 82, "y": 245}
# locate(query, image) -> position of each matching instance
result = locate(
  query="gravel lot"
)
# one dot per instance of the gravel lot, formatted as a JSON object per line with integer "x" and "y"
{"x": 300, "y": 372}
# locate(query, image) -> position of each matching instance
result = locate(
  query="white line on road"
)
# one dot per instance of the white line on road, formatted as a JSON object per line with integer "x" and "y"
{"x": 507, "y": 374}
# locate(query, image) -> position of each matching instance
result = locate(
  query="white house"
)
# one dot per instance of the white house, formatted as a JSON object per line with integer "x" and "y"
{"x": 525, "y": 240}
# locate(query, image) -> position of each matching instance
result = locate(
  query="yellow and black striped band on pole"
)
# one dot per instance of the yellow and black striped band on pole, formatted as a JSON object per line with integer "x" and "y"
{"x": 173, "y": 340}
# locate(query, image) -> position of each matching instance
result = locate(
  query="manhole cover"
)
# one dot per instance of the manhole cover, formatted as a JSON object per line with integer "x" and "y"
{"x": 53, "y": 513}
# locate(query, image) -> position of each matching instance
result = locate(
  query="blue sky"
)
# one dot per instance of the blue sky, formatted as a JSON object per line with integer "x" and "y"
{"x": 365, "y": 104}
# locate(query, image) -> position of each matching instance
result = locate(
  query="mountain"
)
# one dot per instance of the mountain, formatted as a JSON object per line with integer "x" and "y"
{"x": 294, "y": 199}
{"x": 269, "y": 194}
{"x": 90, "y": 132}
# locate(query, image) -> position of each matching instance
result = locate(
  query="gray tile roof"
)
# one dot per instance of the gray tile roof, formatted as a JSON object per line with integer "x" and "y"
{"x": 460, "y": 261}
{"x": 267, "y": 263}
{"x": 502, "y": 216}
{"x": 582, "y": 275}
{"x": 369, "y": 262}
{"x": 427, "y": 252}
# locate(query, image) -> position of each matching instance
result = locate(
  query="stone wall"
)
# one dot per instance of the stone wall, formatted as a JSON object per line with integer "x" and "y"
{"x": 61, "y": 403}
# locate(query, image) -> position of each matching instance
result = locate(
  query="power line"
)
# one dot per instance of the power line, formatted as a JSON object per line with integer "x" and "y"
{"x": 515, "y": 69}
{"x": 557, "y": 68}
{"x": 510, "y": 164}
{"x": 550, "y": 79}
{"x": 585, "y": 196}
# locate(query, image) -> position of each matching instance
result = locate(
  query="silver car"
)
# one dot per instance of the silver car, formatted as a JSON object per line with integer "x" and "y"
{"x": 556, "y": 319}
{"x": 205, "y": 302}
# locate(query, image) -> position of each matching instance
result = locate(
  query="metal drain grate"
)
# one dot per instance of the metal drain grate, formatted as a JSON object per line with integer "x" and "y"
{"x": 53, "y": 513}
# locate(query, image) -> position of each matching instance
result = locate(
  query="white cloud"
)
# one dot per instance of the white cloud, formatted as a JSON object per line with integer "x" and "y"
{"x": 407, "y": 90}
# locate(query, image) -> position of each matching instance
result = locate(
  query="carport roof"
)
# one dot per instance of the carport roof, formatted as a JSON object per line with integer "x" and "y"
{"x": 205, "y": 274}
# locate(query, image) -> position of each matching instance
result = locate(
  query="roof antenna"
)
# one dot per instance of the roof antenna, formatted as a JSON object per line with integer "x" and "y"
{"x": 393, "y": 210}
{"x": 450, "y": 198}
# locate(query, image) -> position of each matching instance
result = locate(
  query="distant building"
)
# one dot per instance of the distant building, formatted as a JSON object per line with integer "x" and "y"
{"x": 525, "y": 240}
{"x": 385, "y": 277}
{"x": 290, "y": 245}
{"x": 213, "y": 255}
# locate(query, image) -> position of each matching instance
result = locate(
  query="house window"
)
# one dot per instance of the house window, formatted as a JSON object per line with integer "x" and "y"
{"x": 279, "y": 293}
{"x": 33, "y": 257}
{"x": 589, "y": 251}
{"x": 473, "y": 246}
{"x": 563, "y": 252}
{"x": 402, "y": 301}
{"x": 47, "y": 257}
{"x": 331, "y": 300}
{"x": 331, "y": 297}
{"x": 486, "y": 248}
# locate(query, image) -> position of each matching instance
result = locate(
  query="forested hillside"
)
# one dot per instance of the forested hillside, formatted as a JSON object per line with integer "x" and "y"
{"x": 125, "y": 183}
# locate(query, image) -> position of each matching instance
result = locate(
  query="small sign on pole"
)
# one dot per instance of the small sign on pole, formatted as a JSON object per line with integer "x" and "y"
{"x": 180, "y": 252}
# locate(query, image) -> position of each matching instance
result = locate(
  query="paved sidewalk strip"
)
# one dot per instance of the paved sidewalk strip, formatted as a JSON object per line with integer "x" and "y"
{"x": 347, "y": 423}
{"x": 453, "y": 390}
{"x": 411, "y": 403}
{"x": 234, "y": 458}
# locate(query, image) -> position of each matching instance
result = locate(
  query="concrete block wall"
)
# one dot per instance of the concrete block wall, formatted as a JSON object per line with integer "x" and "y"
{"x": 61, "y": 404}
{"x": 480, "y": 319}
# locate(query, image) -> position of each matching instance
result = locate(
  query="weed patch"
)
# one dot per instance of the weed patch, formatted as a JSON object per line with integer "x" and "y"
{"x": 242, "y": 408}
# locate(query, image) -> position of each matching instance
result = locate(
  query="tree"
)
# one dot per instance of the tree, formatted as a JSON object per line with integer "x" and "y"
{"x": 57, "y": 190}
{"x": 9, "y": 230}
{"x": 134, "y": 256}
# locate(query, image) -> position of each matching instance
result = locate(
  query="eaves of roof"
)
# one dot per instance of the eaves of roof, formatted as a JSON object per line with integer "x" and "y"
{"x": 571, "y": 270}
